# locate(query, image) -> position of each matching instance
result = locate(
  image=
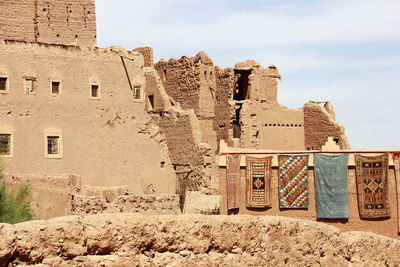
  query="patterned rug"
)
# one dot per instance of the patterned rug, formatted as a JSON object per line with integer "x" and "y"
{"x": 396, "y": 161}
{"x": 258, "y": 179}
{"x": 331, "y": 186}
{"x": 372, "y": 188}
{"x": 233, "y": 181}
{"x": 293, "y": 181}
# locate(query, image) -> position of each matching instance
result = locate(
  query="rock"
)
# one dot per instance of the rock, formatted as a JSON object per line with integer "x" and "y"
{"x": 148, "y": 253}
{"x": 237, "y": 251}
{"x": 184, "y": 253}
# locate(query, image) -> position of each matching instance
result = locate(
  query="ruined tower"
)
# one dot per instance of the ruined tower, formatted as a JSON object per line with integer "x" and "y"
{"x": 69, "y": 22}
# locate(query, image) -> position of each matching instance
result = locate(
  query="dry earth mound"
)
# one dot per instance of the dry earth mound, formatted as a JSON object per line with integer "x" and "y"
{"x": 190, "y": 240}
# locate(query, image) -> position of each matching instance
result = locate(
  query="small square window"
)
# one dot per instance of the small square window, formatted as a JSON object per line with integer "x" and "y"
{"x": 95, "y": 91}
{"x": 55, "y": 88}
{"x": 30, "y": 86}
{"x": 5, "y": 144}
{"x": 3, "y": 84}
{"x": 137, "y": 93}
{"x": 53, "y": 145}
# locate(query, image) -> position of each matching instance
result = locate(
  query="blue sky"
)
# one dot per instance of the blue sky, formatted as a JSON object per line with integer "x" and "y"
{"x": 344, "y": 51}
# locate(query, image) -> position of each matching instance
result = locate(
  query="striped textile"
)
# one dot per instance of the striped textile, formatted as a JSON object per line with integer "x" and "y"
{"x": 258, "y": 182}
{"x": 331, "y": 186}
{"x": 293, "y": 181}
{"x": 233, "y": 181}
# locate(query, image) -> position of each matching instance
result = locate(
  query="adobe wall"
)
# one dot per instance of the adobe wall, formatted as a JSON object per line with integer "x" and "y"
{"x": 387, "y": 227}
{"x": 190, "y": 240}
{"x": 62, "y": 195}
{"x": 108, "y": 141}
{"x": 147, "y": 53}
{"x": 188, "y": 154}
{"x": 271, "y": 128}
{"x": 319, "y": 124}
{"x": 55, "y": 22}
{"x": 51, "y": 196}
{"x": 225, "y": 82}
{"x": 181, "y": 80}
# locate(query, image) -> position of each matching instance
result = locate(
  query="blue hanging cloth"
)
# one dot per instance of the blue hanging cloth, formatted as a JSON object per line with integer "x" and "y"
{"x": 331, "y": 193}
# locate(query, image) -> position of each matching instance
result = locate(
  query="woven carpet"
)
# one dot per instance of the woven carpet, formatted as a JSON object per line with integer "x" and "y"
{"x": 396, "y": 161}
{"x": 293, "y": 181}
{"x": 331, "y": 186}
{"x": 372, "y": 187}
{"x": 258, "y": 179}
{"x": 233, "y": 181}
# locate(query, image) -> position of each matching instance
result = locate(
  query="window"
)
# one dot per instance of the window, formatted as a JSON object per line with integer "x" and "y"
{"x": 151, "y": 101}
{"x": 95, "y": 91}
{"x": 53, "y": 145}
{"x": 3, "y": 84}
{"x": 30, "y": 86}
{"x": 55, "y": 88}
{"x": 137, "y": 93}
{"x": 53, "y": 148}
{"x": 5, "y": 144}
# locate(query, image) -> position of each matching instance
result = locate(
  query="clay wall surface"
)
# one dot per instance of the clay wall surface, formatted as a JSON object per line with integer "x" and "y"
{"x": 188, "y": 154}
{"x": 319, "y": 124}
{"x": 55, "y": 22}
{"x": 181, "y": 80}
{"x": 271, "y": 128}
{"x": 154, "y": 89}
{"x": 387, "y": 227}
{"x": 108, "y": 140}
{"x": 51, "y": 196}
{"x": 264, "y": 85}
{"x": 149, "y": 204}
{"x": 225, "y": 82}
{"x": 196, "y": 240}
{"x": 147, "y": 53}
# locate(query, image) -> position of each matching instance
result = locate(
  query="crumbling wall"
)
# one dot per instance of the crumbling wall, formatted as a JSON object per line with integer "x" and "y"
{"x": 156, "y": 99}
{"x": 139, "y": 240}
{"x": 264, "y": 85}
{"x": 181, "y": 80}
{"x": 55, "y": 22}
{"x": 147, "y": 53}
{"x": 149, "y": 204}
{"x": 109, "y": 140}
{"x": 188, "y": 154}
{"x": 222, "y": 120}
{"x": 319, "y": 124}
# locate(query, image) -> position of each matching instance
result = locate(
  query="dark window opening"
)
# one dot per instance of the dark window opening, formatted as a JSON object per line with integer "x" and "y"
{"x": 3, "y": 84}
{"x": 165, "y": 75}
{"x": 236, "y": 124}
{"x": 95, "y": 91}
{"x": 205, "y": 75}
{"x": 137, "y": 93}
{"x": 151, "y": 100}
{"x": 52, "y": 145}
{"x": 241, "y": 91}
{"x": 55, "y": 88}
{"x": 336, "y": 140}
{"x": 162, "y": 164}
{"x": 5, "y": 144}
